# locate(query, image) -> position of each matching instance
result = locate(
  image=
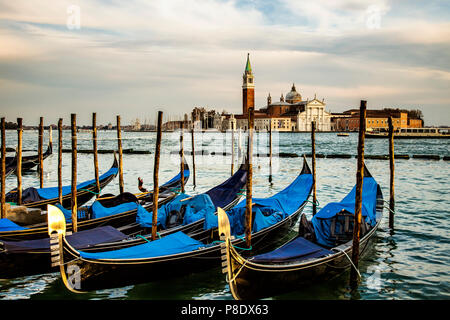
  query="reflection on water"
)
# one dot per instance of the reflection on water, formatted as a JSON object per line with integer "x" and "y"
{"x": 411, "y": 262}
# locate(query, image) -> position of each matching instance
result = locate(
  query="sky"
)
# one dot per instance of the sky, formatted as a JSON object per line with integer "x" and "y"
{"x": 133, "y": 58}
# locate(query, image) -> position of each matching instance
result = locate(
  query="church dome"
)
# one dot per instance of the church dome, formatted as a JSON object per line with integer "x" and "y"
{"x": 293, "y": 96}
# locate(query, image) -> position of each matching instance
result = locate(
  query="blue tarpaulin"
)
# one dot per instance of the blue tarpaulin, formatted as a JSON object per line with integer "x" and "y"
{"x": 99, "y": 211}
{"x": 195, "y": 209}
{"x": 323, "y": 219}
{"x": 52, "y": 192}
{"x": 171, "y": 244}
{"x": 8, "y": 225}
{"x": 267, "y": 211}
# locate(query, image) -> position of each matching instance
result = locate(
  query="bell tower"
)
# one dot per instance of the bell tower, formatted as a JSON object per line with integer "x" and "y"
{"x": 248, "y": 88}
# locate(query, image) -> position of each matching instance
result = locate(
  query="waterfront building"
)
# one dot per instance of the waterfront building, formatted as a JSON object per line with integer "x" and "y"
{"x": 377, "y": 120}
{"x": 289, "y": 114}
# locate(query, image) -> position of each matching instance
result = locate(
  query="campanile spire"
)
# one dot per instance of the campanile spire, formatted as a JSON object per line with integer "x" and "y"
{"x": 248, "y": 87}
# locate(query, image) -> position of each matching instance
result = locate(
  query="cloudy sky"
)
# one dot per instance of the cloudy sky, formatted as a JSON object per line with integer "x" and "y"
{"x": 135, "y": 57}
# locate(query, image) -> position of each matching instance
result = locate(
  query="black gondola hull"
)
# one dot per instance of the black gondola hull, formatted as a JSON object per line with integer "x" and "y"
{"x": 95, "y": 275}
{"x": 257, "y": 282}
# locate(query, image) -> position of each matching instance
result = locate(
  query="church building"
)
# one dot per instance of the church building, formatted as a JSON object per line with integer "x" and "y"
{"x": 289, "y": 114}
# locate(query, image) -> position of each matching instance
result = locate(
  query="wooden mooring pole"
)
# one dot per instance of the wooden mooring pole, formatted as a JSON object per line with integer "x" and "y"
{"x": 40, "y": 155}
{"x": 270, "y": 151}
{"x": 155, "y": 175}
{"x": 392, "y": 173}
{"x": 358, "y": 196}
{"x": 60, "y": 137}
{"x": 182, "y": 157}
{"x": 73, "y": 121}
{"x": 313, "y": 160}
{"x": 232, "y": 148}
{"x": 94, "y": 147}
{"x": 248, "y": 213}
{"x": 3, "y": 169}
{"x": 193, "y": 154}
{"x": 119, "y": 145}
{"x": 19, "y": 160}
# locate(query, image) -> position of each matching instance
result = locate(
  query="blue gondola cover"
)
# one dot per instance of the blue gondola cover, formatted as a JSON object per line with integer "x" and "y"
{"x": 267, "y": 211}
{"x": 8, "y": 225}
{"x": 52, "y": 192}
{"x": 171, "y": 244}
{"x": 195, "y": 209}
{"x": 323, "y": 219}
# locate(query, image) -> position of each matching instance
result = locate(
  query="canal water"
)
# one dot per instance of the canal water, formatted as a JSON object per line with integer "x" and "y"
{"x": 410, "y": 262}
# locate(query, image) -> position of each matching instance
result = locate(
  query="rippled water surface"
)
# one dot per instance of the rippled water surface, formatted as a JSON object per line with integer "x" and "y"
{"x": 411, "y": 262}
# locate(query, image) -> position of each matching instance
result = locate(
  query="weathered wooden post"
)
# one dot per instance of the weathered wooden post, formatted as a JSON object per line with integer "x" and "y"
{"x": 3, "y": 169}
{"x": 60, "y": 137}
{"x": 119, "y": 144}
{"x": 248, "y": 213}
{"x": 193, "y": 153}
{"x": 155, "y": 176}
{"x": 392, "y": 173}
{"x": 181, "y": 157}
{"x": 94, "y": 146}
{"x": 313, "y": 155}
{"x": 270, "y": 151}
{"x": 50, "y": 136}
{"x": 19, "y": 160}
{"x": 73, "y": 118}
{"x": 358, "y": 196}
{"x": 40, "y": 155}
{"x": 239, "y": 145}
{"x": 232, "y": 148}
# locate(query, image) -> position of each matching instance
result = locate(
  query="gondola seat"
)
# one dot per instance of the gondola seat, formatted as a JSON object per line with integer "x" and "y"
{"x": 80, "y": 240}
{"x": 296, "y": 250}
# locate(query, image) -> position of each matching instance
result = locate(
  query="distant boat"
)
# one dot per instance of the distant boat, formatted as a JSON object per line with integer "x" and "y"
{"x": 342, "y": 134}
{"x": 414, "y": 133}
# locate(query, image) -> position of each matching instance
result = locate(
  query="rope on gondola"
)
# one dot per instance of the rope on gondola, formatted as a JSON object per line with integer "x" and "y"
{"x": 66, "y": 263}
{"x": 345, "y": 253}
{"x": 142, "y": 237}
{"x": 237, "y": 273}
{"x": 236, "y": 247}
{"x": 388, "y": 207}
{"x": 317, "y": 202}
{"x": 176, "y": 190}
{"x": 90, "y": 191}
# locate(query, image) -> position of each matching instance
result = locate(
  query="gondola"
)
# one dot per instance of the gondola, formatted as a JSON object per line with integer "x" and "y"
{"x": 321, "y": 250}
{"x": 28, "y": 162}
{"x": 41, "y": 197}
{"x": 21, "y": 258}
{"x": 13, "y": 232}
{"x": 10, "y": 165}
{"x": 176, "y": 254}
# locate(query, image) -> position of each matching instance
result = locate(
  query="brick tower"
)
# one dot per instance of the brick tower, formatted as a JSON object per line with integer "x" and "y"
{"x": 248, "y": 88}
